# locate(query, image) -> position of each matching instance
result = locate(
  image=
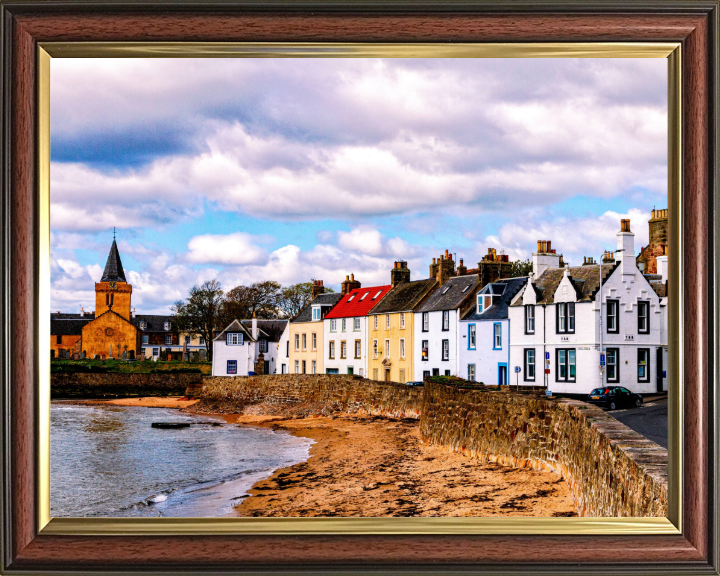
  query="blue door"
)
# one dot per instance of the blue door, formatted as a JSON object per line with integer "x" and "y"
{"x": 502, "y": 374}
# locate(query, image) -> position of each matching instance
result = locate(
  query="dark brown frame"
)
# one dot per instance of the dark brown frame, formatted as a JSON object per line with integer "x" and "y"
{"x": 694, "y": 24}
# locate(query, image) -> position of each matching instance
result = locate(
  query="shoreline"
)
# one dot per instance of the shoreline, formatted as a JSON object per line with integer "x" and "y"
{"x": 365, "y": 466}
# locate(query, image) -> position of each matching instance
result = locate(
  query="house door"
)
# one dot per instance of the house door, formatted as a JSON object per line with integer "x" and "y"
{"x": 659, "y": 369}
{"x": 387, "y": 374}
{"x": 502, "y": 375}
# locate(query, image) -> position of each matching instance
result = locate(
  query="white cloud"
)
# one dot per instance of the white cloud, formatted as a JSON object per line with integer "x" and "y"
{"x": 237, "y": 248}
{"x": 572, "y": 237}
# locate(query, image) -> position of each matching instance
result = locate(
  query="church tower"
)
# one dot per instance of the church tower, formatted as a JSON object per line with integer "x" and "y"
{"x": 113, "y": 292}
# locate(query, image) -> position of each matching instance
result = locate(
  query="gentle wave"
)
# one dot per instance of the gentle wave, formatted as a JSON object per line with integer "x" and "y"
{"x": 108, "y": 461}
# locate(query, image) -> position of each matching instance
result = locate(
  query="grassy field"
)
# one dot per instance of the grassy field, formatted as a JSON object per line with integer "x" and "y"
{"x": 121, "y": 366}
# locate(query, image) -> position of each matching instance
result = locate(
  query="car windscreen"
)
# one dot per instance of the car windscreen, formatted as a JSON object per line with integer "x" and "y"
{"x": 597, "y": 391}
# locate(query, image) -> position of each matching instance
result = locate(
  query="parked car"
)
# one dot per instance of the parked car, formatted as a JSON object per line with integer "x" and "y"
{"x": 414, "y": 383}
{"x": 612, "y": 397}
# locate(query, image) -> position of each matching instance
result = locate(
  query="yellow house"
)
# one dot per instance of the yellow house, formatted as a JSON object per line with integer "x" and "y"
{"x": 390, "y": 331}
{"x": 305, "y": 336}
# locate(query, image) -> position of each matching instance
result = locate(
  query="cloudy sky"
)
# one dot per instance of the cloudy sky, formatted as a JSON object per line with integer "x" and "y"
{"x": 292, "y": 169}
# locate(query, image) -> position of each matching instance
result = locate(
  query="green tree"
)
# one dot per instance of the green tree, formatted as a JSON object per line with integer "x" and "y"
{"x": 295, "y": 297}
{"x": 260, "y": 298}
{"x": 521, "y": 268}
{"x": 200, "y": 313}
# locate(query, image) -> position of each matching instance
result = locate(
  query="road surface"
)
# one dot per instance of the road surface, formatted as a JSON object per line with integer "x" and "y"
{"x": 650, "y": 420}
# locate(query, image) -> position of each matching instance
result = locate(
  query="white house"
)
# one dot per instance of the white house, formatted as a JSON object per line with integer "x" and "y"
{"x": 485, "y": 330}
{"x": 437, "y": 329}
{"x": 345, "y": 330}
{"x": 284, "y": 351}
{"x": 565, "y": 322}
{"x": 237, "y": 349}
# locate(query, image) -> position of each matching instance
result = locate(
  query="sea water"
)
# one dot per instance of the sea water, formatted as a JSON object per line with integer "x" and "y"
{"x": 109, "y": 461}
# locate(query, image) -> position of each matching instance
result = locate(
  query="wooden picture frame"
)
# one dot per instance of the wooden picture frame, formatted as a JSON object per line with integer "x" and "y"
{"x": 30, "y": 547}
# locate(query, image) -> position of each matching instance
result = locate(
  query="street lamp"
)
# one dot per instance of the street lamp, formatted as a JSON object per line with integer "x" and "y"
{"x": 600, "y": 308}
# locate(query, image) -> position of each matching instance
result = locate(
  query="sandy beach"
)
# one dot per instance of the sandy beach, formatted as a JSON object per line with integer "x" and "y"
{"x": 147, "y": 402}
{"x": 368, "y": 466}
{"x": 371, "y": 466}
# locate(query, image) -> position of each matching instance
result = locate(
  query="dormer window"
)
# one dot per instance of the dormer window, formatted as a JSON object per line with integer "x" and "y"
{"x": 167, "y": 325}
{"x": 143, "y": 325}
{"x": 376, "y": 295}
{"x": 234, "y": 339}
{"x": 316, "y": 313}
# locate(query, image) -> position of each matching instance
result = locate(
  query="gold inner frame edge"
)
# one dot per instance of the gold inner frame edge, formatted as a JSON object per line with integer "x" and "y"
{"x": 337, "y": 526}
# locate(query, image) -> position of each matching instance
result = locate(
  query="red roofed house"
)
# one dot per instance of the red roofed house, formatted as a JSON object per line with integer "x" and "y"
{"x": 345, "y": 328}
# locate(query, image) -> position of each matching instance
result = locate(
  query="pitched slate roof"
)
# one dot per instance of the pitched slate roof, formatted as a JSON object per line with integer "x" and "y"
{"x": 405, "y": 297}
{"x": 68, "y": 324}
{"x": 113, "y": 267}
{"x": 586, "y": 280}
{"x": 270, "y": 329}
{"x": 305, "y": 315}
{"x": 154, "y": 322}
{"x": 504, "y": 291}
{"x": 660, "y": 288}
{"x": 452, "y": 294}
{"x": 358, "y": 302}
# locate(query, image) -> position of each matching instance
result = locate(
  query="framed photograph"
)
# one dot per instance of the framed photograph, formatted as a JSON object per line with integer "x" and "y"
{"x": 406, "y": 347}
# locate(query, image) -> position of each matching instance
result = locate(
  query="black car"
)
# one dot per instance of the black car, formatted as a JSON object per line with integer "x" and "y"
{"x": 612, "y": 397}
{"x": 415, "y": 383}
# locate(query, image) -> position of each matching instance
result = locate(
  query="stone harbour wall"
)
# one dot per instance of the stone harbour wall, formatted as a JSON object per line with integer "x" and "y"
{"x": 612, "y": 471}
{"x": 305, "y": 394}
{"x": 121, "y": 384}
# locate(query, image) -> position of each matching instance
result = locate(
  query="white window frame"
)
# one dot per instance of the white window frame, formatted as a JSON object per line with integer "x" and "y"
{"x": 425, "y": 321}
{"x": 402, "y": 347}
{"x": 497, "y": 336}
{"x": 314, "y": 367}
{"x": 168, "y": 339}
{"x": 314, "y": 341}
{"x": 530, "y": 319}
{"x": 227, "y": 367}
{"x": 472, "y": 337}
{"x": 446, "y": 320}
{"x": 375, "y": 322}
{"x": 375, "y": 348}
{"x": 387, "y": 321}
{"x": 387, "y": 348}
{"x": 297, "y": 366}
{"x": 402, "y": 320}
{"x": 331, "y": 350}
{"x": 530, "y": 366}
{"x": 304, "y": 342}
{"x": 234, "y": 339}
{"x": 343, "y": 349}
{"x": 356, "y": 324}
{"x": 297, "y": 342}
{"x": 358, "y": 348}
{"x": 344, "y": 325}
{"x": 471, "y": 372}
{"x": 333, "y": 325}
{"x": 167, "y": 325}
{"x": 446, "y": 350}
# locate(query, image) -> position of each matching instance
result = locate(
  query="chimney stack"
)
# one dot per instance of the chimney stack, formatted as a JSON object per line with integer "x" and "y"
{"x": 461, "y": 269}
{"x": 254, "y": 326}
{"x": 545, "y": 258}
{"x": 626, "y": 243}
{"x": 400, "y": 273}
{"x": 317, "y": 289}
{"x": 445, "y": 268}
{"x": 350, "y": 284}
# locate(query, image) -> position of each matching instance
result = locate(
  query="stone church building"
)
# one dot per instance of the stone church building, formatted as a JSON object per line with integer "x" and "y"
{"x": 113, "y": 329}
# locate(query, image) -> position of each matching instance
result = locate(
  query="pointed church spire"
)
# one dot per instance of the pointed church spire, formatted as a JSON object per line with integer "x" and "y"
{"x": 113, "y": 269}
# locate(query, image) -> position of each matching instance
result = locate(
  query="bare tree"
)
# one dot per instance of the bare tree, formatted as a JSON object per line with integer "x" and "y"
{"x": 200, "y": 313}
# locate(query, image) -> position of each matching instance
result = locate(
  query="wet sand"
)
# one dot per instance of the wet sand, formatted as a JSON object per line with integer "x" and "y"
{"x": 147, "y": 402}
{"x": 368, "y": 466}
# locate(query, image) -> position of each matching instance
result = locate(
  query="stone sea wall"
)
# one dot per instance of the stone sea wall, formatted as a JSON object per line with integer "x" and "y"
{"x": 305, "y": 394}
{"x": 611, "y": 470}
{"x": 118, "y": 384}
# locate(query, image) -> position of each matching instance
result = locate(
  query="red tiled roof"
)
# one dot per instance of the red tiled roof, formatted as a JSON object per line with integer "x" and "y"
{"x": 353, "y": 303}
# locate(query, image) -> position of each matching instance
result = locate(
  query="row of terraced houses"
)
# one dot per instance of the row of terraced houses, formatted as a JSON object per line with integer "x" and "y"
{"x": 567, "y": 328}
